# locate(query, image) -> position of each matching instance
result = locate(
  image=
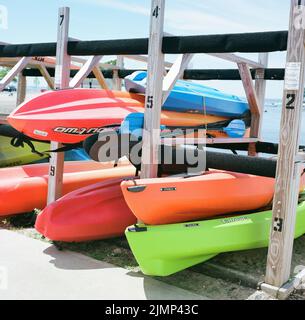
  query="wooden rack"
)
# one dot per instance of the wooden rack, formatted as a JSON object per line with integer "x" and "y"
{"x": 290, "y": 162}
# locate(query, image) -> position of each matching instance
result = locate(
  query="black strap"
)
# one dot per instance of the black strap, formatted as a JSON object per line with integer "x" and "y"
{"x": 21, "y": 139}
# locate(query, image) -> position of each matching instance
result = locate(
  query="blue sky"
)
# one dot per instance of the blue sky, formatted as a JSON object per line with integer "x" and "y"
{"x": 36, "y": 21}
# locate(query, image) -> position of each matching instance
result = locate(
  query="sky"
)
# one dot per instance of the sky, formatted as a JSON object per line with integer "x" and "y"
{"x": 36, "y": 21}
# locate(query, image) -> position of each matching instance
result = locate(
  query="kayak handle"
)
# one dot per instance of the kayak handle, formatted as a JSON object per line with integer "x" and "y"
{"x": 136, "y": 228}
{"x": 136, "y": 189}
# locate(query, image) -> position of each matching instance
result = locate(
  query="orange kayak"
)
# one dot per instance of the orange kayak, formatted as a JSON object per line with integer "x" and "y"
{"x": 180, "y": 199}
{"x": 24, "y": 188}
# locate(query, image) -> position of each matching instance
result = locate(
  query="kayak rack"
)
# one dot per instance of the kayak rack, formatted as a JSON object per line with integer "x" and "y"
{"x": 161, "y": 78}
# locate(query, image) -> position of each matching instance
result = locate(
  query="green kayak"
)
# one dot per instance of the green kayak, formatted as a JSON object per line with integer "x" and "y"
{"x": 167, "y": 249}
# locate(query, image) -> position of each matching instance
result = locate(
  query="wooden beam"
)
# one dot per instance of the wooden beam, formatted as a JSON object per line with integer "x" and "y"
{"x": 175, "y": 73}
{"x": 288, "y": 171}
{"x": 100, "y": 77}
{"x": 20, "y": 65}
{"x": 21, "y": 89}
{"x": 62, "y": 77}
{"x": 116, "y": 81}
{"x": 43, "y": 70}
{"x": 83, "y": 73}
{"x": 260, "y": 89}
{"x": 253, "y": 101}
{"x": 153, "y": 99}
{"x": 101, "y": 65}
{"x": 145, "y": 59}
{"x": 234, "y": 58}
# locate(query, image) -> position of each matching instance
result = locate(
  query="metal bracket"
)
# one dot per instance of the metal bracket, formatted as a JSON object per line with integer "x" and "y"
{"x": 287, "y": 289}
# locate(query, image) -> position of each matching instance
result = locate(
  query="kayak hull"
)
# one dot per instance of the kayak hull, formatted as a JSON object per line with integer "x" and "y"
{"x": 71, "y": 116}
{"x": 167, "y": 249}
{"x": 196, "y": 197}
{"x": 92, "y": 213}
{"x": 29, "y": 184}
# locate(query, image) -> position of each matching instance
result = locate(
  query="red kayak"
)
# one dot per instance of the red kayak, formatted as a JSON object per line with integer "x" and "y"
{"x": 71, "y": 116}
{"x": 95, "y": 212}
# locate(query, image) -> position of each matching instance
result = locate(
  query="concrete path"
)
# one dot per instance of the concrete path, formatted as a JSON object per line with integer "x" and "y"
{"x": 32, "y": 269}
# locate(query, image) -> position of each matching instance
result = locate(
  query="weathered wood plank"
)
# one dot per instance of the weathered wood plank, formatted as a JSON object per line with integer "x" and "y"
{"x": 288, "y": 171}
{"x": 45, "y": 73}
{"x": 20, "y": 65}
{"x": 234, "y": 58}
{"x": 145, "y": 59}
{"x": 100, "y": 77}
{"x": 260, "y": 89}
{"x": 62, "y": 78}
{"x": 83, "y": 73}
{"x": 116, "y": 81}
{"x": 175, "y": 73}
{"x": 153, "y": 100}
{"x": 21, "y": 89}
{"x": 63, "y": 60}
{"x": 255, "y": 107}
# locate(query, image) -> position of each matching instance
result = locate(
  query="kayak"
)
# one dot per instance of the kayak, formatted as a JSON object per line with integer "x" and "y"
{"x": 94, "y": 212}
{"x": 70, "y": 116}
{"x": 188, "y": 96}
{"x": 11, "y": 156}
{"x": 24, "y": 188}
{"x": 167, "y": 249}
{"x": 16, "y": 149}
{"x": 188, "y": 198}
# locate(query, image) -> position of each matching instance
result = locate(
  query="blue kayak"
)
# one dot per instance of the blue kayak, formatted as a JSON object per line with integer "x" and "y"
{"x": 192, "y": 97}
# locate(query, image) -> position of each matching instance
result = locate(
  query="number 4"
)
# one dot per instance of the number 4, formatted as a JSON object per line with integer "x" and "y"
{"x": 156, "y": 12}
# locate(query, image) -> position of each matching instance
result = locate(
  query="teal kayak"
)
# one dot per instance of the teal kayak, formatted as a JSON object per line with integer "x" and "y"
{"x": 166, "y": 249}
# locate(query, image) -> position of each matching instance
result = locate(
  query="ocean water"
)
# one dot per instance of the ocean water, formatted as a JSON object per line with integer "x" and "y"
{"x": 271, "y": 125}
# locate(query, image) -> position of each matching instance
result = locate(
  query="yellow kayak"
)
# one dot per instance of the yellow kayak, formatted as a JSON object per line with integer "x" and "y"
{"x": 11, "y": 156}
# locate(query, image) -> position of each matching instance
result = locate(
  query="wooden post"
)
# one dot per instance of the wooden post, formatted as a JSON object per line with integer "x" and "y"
{"x": 117, "y": 82}
{"x": 260, "y": 87}
{"x": 154, "y": 92}
{"x": 21, "y": 89}
{"x": 260, "y": 90}
{"x": 288, "y": 171}
{"x": 253, "y": 101}
{"x": 62, "y": 78}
